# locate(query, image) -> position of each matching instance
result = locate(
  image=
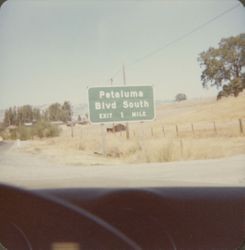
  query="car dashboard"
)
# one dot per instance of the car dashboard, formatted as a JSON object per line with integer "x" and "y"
{"x": 122, "y": 218}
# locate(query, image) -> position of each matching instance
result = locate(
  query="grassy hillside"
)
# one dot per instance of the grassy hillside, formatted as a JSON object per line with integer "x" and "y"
{"x": 157, "y": 141}
{"x": 208, "y": 109}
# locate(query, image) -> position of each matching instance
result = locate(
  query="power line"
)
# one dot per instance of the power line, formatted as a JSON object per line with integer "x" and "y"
{"x": 179, "y": 38}
{"x": 185, "y": 35}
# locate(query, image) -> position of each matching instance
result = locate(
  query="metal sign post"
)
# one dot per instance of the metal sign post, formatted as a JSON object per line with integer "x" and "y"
{"x": 112, "y": 104}
{"x": 103, "y": 142}
{"x": 124, "y": 83}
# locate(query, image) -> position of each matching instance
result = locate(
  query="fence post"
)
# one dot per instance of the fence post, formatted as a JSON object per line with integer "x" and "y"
{"x": 215, "y": 129}
{"x": 113, "y": 128}
{"x": 193, "y": 130}
{"x": 177, "y": 130}
{"x": 241, "y": 126}
{"x": 127, "y": 131}
{"x": 72, "y": 132}
{"x": 163, "y": 131}
{"x": 181, "y": 148}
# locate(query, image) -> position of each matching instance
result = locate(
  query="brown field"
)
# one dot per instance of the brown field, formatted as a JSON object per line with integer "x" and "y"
{"x": 193, "y": 129}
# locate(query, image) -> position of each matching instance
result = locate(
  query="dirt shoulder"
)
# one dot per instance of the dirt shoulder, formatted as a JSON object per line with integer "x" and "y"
{"x": 58, "y": 150}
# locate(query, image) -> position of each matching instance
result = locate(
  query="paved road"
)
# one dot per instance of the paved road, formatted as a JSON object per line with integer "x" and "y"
{"x": 33, "y": 171}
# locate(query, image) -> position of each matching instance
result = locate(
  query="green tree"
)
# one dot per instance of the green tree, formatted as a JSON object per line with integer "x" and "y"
{"x": 45, "y": 115}
{"x": 19, "y": 116}
{"x": 58, "y": 112}
{"x": 36, "y": 114}
{"x": 10, "y": 116}
{"x": 67, "y": 112}
{"x": 26, "y": 113}
{"x": 55, "y": 112}
{"x": 6, "y": 120}
{"x": 224, "y": 66}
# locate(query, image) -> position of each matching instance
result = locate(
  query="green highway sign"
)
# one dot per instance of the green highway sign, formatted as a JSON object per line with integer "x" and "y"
{"x": 121, "y": 104}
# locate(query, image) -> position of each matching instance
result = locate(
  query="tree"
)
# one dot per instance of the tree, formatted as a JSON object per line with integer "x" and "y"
{"x": 55, "y": 112}
{"x": 27, "y": 113}
{"x": 242, "y": 2}
{"x": 36, "y": 114}
{"x": 45, "y": 115}
{"x": 67, "y": 112}
{"x": 180, "y": 97}
{"x": 58, "y": 112}
{"x": 10, "y": 117}
{"x": 7, "y": 115}
{"x": 224, "y": 66}
{"x": 19, "y": 115}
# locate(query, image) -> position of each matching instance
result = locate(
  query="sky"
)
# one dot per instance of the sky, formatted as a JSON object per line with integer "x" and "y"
{"x": 51, "y": 51}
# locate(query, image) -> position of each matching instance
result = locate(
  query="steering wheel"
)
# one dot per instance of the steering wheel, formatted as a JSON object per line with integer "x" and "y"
{"x": 31, "y": 221}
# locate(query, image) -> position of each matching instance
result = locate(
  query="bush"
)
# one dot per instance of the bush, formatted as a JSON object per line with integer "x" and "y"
{"x": 22, "y": 133}
{"x": 45, "y": 129}
{"x": 180, "y": 97}
{"x": 2, "y": 132}
{"x": 40, "y": 129}
{"x": 9, "y": 134}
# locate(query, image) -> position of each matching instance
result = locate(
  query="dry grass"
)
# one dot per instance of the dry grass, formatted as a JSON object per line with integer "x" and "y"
{"x": 88, "y": 152}
{"x": 150, "y": 143}
{"x": 203, "y": 110}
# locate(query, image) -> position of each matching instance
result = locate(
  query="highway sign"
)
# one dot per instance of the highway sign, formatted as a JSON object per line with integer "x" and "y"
{"x": 121, "y": 104}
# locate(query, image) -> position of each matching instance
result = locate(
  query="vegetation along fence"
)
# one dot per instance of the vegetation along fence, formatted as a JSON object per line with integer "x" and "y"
{"x": 158, "y": 129}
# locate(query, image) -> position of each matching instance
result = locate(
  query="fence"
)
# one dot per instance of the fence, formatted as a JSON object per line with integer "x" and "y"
{"x": 157, "y": 129}
{"x": 197, "y": 129}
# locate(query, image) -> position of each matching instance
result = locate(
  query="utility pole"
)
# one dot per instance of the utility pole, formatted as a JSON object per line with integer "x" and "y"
{"x": 124, "y": 75}
{"x": 124, "y": 83}
{"x": 113, "y": 125}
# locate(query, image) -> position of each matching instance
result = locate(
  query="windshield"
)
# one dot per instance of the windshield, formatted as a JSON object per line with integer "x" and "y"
{"x": 122, "y": 93}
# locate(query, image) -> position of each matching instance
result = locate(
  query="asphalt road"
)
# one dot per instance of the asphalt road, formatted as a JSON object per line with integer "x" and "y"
{"x": 33, "y": 171}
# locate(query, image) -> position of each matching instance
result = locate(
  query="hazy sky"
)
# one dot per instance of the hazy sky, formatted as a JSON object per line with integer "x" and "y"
{"x": 52, "y": 50}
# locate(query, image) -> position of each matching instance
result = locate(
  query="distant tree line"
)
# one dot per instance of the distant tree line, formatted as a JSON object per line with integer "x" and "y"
{"x": 18, "y": 116}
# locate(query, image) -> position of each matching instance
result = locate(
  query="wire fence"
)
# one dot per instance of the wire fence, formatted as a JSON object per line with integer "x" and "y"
{"x": 197, "y": 129}
{"x": 158, "y": 129}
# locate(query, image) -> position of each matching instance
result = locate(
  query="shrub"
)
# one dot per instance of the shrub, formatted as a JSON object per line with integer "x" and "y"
{"x": 45, "y": 129}
{"x": 180, "y": 97}
{"x": 40, "y": 129}
{"x": 159, "y": 151}
{"x": 23, "y": 133}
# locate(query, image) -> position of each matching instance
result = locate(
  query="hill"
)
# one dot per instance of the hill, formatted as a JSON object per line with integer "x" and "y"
{"x": 193, "y": 129}
{"x": 207, "y": 109}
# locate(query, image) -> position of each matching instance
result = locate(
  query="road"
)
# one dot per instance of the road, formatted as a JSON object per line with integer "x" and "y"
{"x": 33, "y": 171}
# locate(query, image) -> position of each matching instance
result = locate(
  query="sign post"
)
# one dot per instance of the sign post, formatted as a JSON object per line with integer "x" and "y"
{"x": 103, "y": 139}
{"x": 112, "y": 104}
{"x": 124, "y": 83}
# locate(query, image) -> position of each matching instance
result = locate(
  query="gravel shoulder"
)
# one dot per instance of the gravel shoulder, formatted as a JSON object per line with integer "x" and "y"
{"x": 35, "y": 171}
